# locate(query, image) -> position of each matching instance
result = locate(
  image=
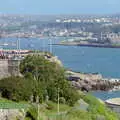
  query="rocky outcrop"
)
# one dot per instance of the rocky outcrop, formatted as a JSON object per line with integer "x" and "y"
{"x": 88, "y": 82}
{"x": 9, "y": 114}
{"x": 53, "y": 59}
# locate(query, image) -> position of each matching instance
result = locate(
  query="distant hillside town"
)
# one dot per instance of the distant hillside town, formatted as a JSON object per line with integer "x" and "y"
{"x": 93, "y": 28}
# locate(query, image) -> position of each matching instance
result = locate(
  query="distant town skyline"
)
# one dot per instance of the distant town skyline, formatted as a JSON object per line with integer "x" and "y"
{"x": 59, "y": 6}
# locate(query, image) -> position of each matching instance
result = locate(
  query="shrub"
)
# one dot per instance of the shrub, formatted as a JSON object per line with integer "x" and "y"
{"x": 16, "y": 88}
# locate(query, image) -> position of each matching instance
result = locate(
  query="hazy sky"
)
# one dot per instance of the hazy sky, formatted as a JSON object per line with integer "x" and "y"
{"x": 60, "y": 6}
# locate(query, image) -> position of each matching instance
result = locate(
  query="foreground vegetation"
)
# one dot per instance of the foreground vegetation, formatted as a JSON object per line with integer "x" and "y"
{"x": 95, "y": 111}
{"x": 40, "y": 86}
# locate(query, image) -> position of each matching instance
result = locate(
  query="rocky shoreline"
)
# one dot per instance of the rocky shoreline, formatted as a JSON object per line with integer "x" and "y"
{"x": 92, "y": 82}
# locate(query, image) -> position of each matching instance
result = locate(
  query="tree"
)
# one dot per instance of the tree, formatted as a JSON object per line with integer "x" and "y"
{"x": 48, "y": 76}
{"x": 16, "y": 88}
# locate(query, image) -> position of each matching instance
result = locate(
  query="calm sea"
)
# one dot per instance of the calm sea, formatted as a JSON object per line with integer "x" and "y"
{"x": 105, "y": 61}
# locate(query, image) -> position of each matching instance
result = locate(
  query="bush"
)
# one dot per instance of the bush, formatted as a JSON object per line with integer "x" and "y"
{"x": 32, "y": 113}
{"x": 16, "y": 88}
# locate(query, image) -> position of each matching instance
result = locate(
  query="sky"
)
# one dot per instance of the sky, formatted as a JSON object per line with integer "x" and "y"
{"x": 59, "y": 6}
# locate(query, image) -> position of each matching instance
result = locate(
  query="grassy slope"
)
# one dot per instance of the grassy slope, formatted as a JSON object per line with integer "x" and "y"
{"x": 96, "y": 110}
{"x": 47, "y": 111}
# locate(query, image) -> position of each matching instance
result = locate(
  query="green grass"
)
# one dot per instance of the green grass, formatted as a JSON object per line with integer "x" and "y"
{"x": 7, "y": 104}
{"x": 48, "y": 111}
{"x": 51, "y": 110}
{"x": 96, "y": 110}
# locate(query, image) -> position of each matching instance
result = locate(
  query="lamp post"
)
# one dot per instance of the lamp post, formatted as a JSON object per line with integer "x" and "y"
{"x": 37, "y": 101}
{"x": 58, "y": 107}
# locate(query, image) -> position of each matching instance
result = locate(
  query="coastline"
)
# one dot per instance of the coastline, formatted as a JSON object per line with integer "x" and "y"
{"x": 93, "y": 82}
{"x": 88, "y": 45}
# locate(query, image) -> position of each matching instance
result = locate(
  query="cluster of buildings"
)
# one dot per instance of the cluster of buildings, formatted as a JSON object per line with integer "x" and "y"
{"x": 90, "y": 20}
{"x": 85, "y": 28}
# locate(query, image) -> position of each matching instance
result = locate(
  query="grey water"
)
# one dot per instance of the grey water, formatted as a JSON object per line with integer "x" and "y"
{"x": 105, "y": 61}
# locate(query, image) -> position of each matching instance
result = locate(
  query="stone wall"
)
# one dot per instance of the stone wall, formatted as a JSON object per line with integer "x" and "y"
{"x": 9, "y": 68}
{"x": 4, "y": 69}
{"x": 13, "y": 67}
